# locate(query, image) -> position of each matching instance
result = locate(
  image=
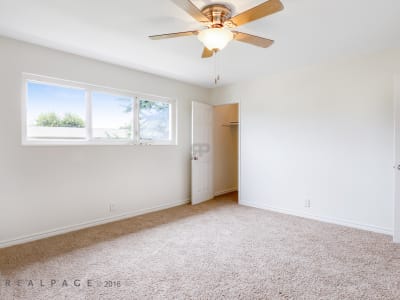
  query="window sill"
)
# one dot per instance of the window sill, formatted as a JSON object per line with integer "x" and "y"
{"x": 93, "y": 143}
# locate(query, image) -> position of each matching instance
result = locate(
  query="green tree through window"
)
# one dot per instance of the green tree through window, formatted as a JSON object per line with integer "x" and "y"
{"x": 53, "y": 120}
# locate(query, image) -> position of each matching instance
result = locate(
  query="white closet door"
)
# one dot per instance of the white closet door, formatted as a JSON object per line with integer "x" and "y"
{"x": 202, "y": 159}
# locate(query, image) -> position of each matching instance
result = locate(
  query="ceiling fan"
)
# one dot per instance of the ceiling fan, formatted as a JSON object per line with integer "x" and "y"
{"x": 220, "y": 25}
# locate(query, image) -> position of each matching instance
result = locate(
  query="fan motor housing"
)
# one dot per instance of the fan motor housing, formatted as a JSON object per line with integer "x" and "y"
{"x": 218, "y": 14}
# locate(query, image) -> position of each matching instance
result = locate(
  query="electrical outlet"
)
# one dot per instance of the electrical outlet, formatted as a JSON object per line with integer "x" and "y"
{"x": 113, "y": 207}
{"x": 307, "y": 203}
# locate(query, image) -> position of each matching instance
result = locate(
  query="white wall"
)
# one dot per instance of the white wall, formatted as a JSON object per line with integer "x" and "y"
{"x": 323, "y": 133}
{"x": 46, "y": 188}
{"x": 225, "y": 149}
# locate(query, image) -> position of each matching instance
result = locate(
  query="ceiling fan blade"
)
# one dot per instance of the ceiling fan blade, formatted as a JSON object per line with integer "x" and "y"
{"x": 207, "y": 53}
{"x": 264, "y": 9}
{"x": 191, "y": 9}
{"x": 172, "y": 35}
{"x": 252, "y": 39}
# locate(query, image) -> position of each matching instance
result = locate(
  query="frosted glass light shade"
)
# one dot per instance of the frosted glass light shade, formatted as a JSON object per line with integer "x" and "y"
{"x": 215, "y": 38}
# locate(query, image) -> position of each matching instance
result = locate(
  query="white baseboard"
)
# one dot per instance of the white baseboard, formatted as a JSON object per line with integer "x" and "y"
{"x": 100, "y": 221}
{"x": 324, "y": 219}
{"x": 227, "y": 191}
{"x": 396, "y": 237}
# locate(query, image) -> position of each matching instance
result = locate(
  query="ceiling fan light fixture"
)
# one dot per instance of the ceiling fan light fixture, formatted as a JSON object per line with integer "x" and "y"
{"x": 215, "y": 38}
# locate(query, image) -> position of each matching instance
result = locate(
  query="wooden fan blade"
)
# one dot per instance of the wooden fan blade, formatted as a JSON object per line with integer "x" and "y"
{"x": 172, "y": 35}
{"x": 252, "y": 39}
{"x": 207, "y": 53}
{"x": 191, "y": 9}
{"x": 264, "y": 9}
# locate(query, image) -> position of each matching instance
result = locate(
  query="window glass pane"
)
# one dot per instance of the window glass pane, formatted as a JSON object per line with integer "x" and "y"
{"x": 154, "y": 120}
{"x": 111, "y": 116}
{"x": 55, "y": 112}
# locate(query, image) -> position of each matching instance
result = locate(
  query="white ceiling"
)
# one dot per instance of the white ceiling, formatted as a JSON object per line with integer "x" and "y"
{"x": 115, "y": 31}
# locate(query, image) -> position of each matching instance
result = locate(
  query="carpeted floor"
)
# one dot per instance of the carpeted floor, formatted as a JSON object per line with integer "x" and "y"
{"x": 216, "y": 250}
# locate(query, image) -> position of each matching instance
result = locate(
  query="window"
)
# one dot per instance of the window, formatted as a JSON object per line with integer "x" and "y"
{"x": 112, "y": 116}
{"x": 154, "y": 120}
{"x": 64, "y": 112}
{"x": 55, "y": 112}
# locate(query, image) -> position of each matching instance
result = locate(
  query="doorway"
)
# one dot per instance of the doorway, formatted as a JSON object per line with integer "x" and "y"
{"x": 226, "y": 137}
{"x": 215, "y": 152}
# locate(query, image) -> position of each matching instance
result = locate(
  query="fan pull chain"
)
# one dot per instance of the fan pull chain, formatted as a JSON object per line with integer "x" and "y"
{"x": 217, "y": 78}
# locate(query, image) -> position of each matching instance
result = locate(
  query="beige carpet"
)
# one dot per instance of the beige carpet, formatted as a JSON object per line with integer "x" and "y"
{"x": 216, "y": 250}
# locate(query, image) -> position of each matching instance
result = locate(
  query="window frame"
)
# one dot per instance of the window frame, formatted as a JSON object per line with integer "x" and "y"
{"x": 89, "y": 89}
